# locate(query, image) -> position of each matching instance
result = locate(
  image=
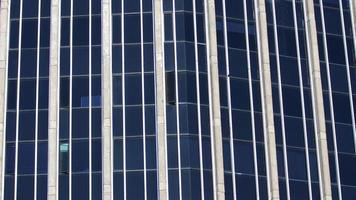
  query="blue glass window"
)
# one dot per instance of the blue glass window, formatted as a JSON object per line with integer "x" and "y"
{"x": 133, "y": 88}
{"x": 80, "y": 156}
{"x": 28, "y": 63}
{"x": 135, "y": 185}
{"x": 27, "y": 94}
{"x": 80, "y": 31}
{"x": 29, "y": 33}
{"x": 132, "y": 58}
{"x": 134, "y": 153}
{"x": 133, "y": 120}
{"x": 80, "y": 123}
{"x": 27, "y": 125}
{"x": 132, "y": 28}
{"x": 80, "y": 7}
{"x": 26, "y": 158}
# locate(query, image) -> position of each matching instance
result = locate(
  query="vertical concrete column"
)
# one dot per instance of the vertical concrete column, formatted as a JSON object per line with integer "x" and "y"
{"x": 106, "y": 89}
{"x": 353, "y": 20}
{"x": 160, "y": 101}
{"x": 218, "y": 162}
{"x": 317, "y": 94}
{"x": 53, "y": 108}
{"x": 53, "y": 102}
{"x": 267, "y": 103}
{"x": 4, "y": 30}
{"x": 352, "y": 5}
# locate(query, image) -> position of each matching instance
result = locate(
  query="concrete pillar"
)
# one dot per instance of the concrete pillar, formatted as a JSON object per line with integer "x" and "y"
{"x": 160, "y": 101}
{"x": 267, "y": 103}
{"x": 317, "y": 94}
{"x": 4, "y": 30}
{"x": 353, "y": 21}
{"x": 218, "y": 163}
{"x": 106, "y": 89}
{"x": 353, "y": 18}
{"x": 53, "y": 108}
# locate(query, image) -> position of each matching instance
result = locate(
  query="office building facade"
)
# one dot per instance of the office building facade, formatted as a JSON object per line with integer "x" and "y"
{"x": 177, "y": 99}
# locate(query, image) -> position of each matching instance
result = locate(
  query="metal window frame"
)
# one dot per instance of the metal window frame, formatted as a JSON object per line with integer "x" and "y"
{"x": 70, "y": 101}
{"x": 228, "y": 87}
{"x": 123, "y": 95}
{"x": 58, "y": 97}
{"x": 341, "y": 10}
{"x": 331, "y": 104}
{"x": 198, "y": 101}
{"x": 177, "y": 97}
{"x": 37, "y": 96}
{"x": 90, "y": 102}
{"x": 280, "y": 97}
{"x": 251, "y": 100}
{"x": 18, "y": 99}
{"x": 301, "y": 88}
{"x": 143, "y": 102}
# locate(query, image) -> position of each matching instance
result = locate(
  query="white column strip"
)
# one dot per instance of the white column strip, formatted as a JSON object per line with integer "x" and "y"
{"x": 160, "y": 95}
{"x": 214, "y": 100}
{"x": 106, "y": 97}
{"x": 353, "y": 21}
{"x": 53, "y": 109}
{"x": 317, "y": 98}
{"x": 267, "y": 103}
{"x": 4, "y": 41}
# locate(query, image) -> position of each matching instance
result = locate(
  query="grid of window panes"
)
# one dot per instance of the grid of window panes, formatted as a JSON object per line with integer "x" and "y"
{"x": 338, "y": 73}
{"x": 187, "y": 100}
{"x": 293, "y": 111}
{"x": 134, "y": 129}
{"x": 240, "y": 97}
{"x": 80, "y": 100}
{"x": 27, "y": 101}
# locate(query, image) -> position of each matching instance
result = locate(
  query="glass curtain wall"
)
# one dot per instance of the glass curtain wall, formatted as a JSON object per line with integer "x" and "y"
{"x": 80, "y": 100}
{"x": 134, "y": 128}
{"x": 240, "y": 98}
{"x": 292, "y": 99}
{"x": 338, "y": 73}
{"x": 26, "y": 116}
{"x": 187, "y": 100}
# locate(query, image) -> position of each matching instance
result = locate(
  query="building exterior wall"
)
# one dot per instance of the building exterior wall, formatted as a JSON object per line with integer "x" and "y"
{"x": 337, "y": 61}
{"x": 177, "y": 99}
